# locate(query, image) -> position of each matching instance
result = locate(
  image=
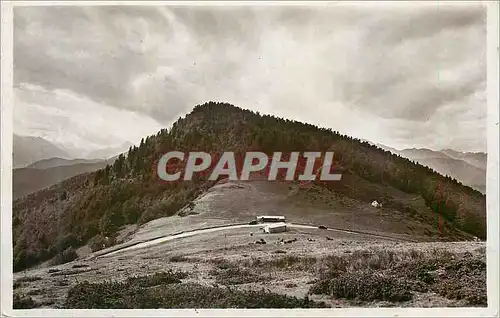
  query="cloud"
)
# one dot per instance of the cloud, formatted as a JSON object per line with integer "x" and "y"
{"x": 75, "y": 122}
{"x": 374, "y": 71}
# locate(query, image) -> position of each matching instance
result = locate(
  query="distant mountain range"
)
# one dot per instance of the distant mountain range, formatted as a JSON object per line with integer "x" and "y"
{"x": 60, "y": 162}
{"x": 477, "y": 159}
{"x": 106, "y": 153}
{"x": 45, "y": 173}
{"x": 39, "y": 164}
{"x": 28, "y": 150}
{"x": 467, "y": 167}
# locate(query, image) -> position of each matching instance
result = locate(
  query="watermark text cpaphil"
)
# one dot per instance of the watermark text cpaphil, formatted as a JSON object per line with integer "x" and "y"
{"x": 302, "y": 166}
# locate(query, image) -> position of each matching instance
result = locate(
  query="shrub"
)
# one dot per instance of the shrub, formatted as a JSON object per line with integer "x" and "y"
{"x": 132, "y": 210}
{"x": 37, "y": 291}
{"x": 23, "y": 302}
{"x": 53, "y": 270}
{"x": 99, "y": 242}
{"x": 28, "y": 279}
{"x": 24, "y": 259}
{"x": 17, "y": 284}
{"x": 66, "y": 256}
{"x": 161, "y": 209}
{"x": 223, "y": 263}
{"x": 364, "y": 286}
{"x": 393, "y": 276}
{"x": 178, "y": 259}
{"x": 159, "y": 278}
{"x": 296, "y": 262}
{"x": 63, "y": 243}
{"x": 235, "y": 276}
{"x": 465, "y": 278}
{"x": 112, "y": 220}
{"x": 123, "y": 295}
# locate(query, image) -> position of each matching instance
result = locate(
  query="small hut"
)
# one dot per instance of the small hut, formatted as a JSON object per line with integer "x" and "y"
{"x": 375, "y": 204}
{"x": 275, "y": 228}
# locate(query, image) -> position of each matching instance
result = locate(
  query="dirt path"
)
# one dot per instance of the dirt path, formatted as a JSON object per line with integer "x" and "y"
{"x": 205, "y": 254}
{"x": 141, "y": 245}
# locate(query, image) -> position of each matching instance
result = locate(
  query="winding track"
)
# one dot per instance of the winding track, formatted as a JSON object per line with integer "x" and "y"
{"x": 144, "y": 244}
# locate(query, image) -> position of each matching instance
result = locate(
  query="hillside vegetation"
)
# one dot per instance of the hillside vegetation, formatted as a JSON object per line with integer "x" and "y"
{"x": 91, "y": 206}
{"x": 469, "y": 168}
{"x": 29, "y": 180}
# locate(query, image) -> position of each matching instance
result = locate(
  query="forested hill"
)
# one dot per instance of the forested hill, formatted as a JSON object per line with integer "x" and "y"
{"x": 90, "y": 206}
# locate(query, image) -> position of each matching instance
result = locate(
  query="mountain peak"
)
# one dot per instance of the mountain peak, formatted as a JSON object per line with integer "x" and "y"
{"x": 129, "y": 191}
{"x": 29, "y": 149}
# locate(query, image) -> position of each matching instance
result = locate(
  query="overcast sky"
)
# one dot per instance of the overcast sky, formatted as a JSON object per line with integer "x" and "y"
{"x": 400, "y": 74}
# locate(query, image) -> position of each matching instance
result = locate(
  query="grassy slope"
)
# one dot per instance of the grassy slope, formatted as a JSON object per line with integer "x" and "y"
{"x": 371, "y": 276}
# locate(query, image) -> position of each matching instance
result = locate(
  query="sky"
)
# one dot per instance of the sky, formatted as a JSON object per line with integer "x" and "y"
{"x": 401, "y": 74}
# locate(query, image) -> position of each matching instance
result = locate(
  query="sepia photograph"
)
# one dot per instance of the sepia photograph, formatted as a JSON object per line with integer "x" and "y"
{"x": 328, "y": 155}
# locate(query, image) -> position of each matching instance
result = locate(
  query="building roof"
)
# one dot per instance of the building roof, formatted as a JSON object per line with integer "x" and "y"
{"x": 271, "y": 217}
{"x": 275, "y": 225}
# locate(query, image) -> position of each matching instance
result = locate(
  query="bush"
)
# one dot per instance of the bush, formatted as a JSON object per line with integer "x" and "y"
{"x": 235, "y": 276}
{"x": 23, "y": 302}
{"x": 465, "y": 279}
{"x": 99, "y": 242}
{"x": 64, "y": 243}
{"x": 161, "y": 209}
{"x": 114, "y": 295}
{"x": 387, "y": 275}
{"x": 159, "y": 278}
{"x": 112, "y": 220}
{"x": 364, "y": 286}
{"x": 286, "y": 262}
{"x": 131, "y": 210}
{"x": 66, "y": 256}
{"x": 37, "y": 291}
{"x": 178, "y": 259}
{"x": 223, "y": 263}
{"x": 23, "y": 259}
{"x": 28, "y": 279}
